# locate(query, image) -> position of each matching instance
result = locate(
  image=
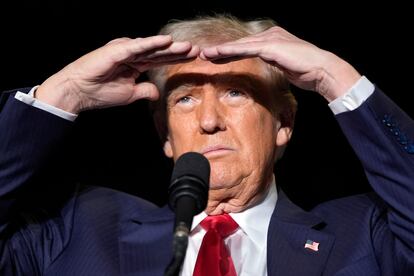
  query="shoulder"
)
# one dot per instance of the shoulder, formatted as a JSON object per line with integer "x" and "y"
{"x": 352, "y": 210}
{"x": 94, "y": 200}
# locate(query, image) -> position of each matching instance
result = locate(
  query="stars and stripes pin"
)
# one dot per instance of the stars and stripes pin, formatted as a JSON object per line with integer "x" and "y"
{"x": 314, "y": 246}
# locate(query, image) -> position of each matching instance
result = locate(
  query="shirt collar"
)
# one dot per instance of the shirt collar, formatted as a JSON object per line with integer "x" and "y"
{"x": 252, "y": 220}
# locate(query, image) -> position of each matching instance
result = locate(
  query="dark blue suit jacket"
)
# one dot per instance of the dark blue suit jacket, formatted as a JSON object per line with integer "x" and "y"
{"x": 99, "y": 231}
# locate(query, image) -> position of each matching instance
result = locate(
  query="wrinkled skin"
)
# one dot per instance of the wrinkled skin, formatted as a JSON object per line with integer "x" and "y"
{"x": 224, "y": 112}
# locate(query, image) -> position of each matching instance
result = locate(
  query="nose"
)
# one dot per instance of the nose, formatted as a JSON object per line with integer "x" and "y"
{"x": 210, "y": 115}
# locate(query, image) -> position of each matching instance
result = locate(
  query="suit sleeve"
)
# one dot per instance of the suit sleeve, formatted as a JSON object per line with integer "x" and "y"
{"x": 382, "y": 136}
{"x": 28, "y": 136}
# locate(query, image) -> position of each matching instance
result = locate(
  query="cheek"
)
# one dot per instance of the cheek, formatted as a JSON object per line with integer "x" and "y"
{"x": 260, "y": 140}
{"x": 180, "y": 134}
{"x": 223, "y": 173}
{"x": 259, "y": 130}
{"x": 253, "y": 132}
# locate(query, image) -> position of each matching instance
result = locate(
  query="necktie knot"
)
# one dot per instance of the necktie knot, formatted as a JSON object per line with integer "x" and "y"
{"x": 222, "y": 224}
{"x": 213, "y": 257}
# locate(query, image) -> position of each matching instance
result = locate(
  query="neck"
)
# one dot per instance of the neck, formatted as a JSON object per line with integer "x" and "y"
{"x": 236, "y": 199}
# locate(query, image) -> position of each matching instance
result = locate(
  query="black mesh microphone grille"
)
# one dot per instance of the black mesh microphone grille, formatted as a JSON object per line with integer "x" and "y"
{"x": 192, "y": 164}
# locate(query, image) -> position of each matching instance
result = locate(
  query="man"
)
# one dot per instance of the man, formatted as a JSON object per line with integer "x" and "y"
{"x": 224, "y": 94}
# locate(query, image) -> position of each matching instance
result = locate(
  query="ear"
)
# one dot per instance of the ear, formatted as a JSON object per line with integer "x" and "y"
{"x": 168, "y": 149}
{"x": 283, "y": 136}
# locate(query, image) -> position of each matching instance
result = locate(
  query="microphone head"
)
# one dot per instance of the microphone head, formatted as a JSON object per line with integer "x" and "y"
{"x": 190, "y": 177}
{"x": 193, "y": 164}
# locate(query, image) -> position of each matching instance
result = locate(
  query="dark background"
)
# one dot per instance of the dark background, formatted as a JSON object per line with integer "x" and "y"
{"x": 118, "y": 147}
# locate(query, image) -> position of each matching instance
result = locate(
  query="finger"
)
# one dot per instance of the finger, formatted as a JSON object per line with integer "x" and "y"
{"x": 126, "y": 50}
{"x": 272, "y": 35}
{"x": 166, "y": 56}
{"x": 144, "y": 65}
{"x": 174, "y": 48}
{"x": 145, "y": 90}
{"x": 250, "y": 49}
{"x": 140, "y": 45}
{"x": 210, "y": 52}
{"x": 118, "y": 40}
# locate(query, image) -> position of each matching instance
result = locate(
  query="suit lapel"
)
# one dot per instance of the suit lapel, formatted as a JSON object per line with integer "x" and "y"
{"x": 290, "y": 229}
{"x": 145, "y": 242}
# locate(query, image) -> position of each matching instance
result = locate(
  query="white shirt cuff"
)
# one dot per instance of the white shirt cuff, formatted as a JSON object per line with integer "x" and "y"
{"x": 358, "y": 93}
{"x": 30, "y": 100}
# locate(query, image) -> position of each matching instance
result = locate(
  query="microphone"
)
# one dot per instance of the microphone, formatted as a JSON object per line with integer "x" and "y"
{"x": 188, "y": 194}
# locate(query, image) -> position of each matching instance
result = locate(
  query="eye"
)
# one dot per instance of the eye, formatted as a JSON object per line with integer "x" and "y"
{"x": 184, "y": 100}
{"x": 236, "y": 93}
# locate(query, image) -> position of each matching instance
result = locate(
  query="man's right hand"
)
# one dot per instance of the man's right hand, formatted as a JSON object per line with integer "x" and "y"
{"x": 107, "y": 76}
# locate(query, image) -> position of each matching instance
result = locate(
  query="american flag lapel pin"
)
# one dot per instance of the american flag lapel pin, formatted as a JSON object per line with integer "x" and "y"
{"x": 314, "y": 246}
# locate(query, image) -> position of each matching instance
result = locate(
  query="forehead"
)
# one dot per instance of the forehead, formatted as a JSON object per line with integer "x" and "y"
{"x": 252, "y": 66}
{"x": 250, "y": 74}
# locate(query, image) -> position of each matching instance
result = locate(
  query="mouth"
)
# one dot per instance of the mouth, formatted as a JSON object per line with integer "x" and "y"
{"x": 216, "y": 150}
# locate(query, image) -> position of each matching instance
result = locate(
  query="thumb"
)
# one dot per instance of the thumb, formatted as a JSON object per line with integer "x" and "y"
{"x": 146, "y": 90}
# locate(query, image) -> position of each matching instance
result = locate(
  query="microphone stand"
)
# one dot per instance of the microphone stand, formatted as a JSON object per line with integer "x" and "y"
{"x": 181, "y": 233}
{"x": 180, "y": 243}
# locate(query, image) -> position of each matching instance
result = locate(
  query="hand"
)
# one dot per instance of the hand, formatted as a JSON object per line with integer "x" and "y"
{"x": 107, "y": 76}
{"x": 304, "y": 64}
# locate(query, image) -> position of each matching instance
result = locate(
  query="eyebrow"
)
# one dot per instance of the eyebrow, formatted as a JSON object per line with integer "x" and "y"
{"x": 257, "y": 87}
{"x": 189, "y": 80}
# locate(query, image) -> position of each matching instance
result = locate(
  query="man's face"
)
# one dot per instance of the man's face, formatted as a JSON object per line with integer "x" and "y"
{"x": 224, "y": 112}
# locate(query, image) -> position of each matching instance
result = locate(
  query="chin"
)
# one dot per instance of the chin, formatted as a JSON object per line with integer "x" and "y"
{"x": 220, "y": 182}
{"x": 225, "y": 174}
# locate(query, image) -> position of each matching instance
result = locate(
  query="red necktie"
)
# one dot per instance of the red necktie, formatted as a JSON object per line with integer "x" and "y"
{"x": 213, "y": 257}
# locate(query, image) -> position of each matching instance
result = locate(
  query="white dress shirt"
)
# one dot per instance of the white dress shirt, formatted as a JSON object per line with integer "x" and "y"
{"x": 247, "y": 245}
{"x": 30, "y": 100}
{"x": 356, "y": 95}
